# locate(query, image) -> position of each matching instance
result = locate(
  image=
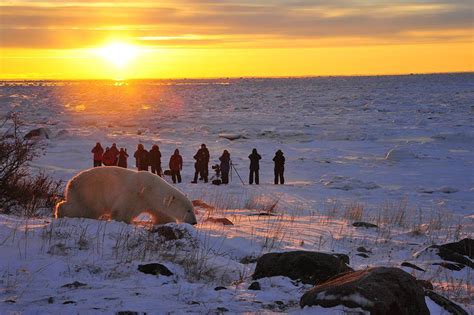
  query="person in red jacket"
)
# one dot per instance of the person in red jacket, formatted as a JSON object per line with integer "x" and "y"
{"x": 98, "y": 151}
{"x": 108, "y": 159}
{"x": 141, "y": 158}
{"x": 176, "y": 165}
{"x": 115, "y": 151}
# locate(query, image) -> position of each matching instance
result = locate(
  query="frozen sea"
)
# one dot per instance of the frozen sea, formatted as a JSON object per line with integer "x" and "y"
{"x": 335, "y": 131}
{"x": 393, "y": 150}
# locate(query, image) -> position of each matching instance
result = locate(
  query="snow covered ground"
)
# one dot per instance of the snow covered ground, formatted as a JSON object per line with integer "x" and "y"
{"x": 396, "y": 151}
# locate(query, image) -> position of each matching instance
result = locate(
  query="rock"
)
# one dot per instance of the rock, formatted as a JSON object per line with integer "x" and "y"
{"x": 74, "y": 285}
{"x": 168, "y": 232}
{"x": 399, "y": 154}
{"x": 365, "y": 225}
{"x": 445, "y": 303}
{"x": 255, "y": 286}
{"x": 39, "y": 133}
{"x": 222, "y": 310}
{"x": 220, "y": 288}
{"x": 248, "y": 260}
{"x": 450, "y": 266}
{"x": 363, "y": 255}
{"x": 155, "y": 269}
{"x": 378, "y": 290}
{"x": 459, "y": 253}
{"x": 69, "y": 302}
{"x": 224, "y": 221}
{"x": 362, "y": 249}
{"x": 126, "y": 313}
{"x": 50, "y": 300}
{"x": 231, "y": 136}
{"x": 410, "y": 265}
{"x": 309, "y": 267}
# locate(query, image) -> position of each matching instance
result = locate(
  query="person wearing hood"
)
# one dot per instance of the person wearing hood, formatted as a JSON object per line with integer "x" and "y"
{"x": 141, "y": 158}
{"x": 114, "y": 151}
{"x": 108, "y": 159}
{"x": 254, "y": 166}
{"x": 201, "y": 166}
{"x": 279, "y": 169}
{"x": 225, "y": 166}
{"x": 98, "y": 151}
{"x": 122, "y": 158}
{"x": 176, "y": 166}
{"x": 155, "y": 160}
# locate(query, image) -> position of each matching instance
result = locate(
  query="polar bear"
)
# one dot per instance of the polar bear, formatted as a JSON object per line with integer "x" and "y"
{"x": 122, "y": 195}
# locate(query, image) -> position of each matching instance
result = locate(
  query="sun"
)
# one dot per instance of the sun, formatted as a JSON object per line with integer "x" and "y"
{"x": 118, "y": 53}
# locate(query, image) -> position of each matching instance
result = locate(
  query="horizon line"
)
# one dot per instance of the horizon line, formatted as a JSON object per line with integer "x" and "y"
{"x": 243, "y": 77}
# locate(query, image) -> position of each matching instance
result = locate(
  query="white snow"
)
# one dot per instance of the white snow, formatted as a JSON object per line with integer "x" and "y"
{"x": 335, "y": 133}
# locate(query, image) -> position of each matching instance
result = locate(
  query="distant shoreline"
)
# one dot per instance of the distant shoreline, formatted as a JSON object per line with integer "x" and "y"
{"x": 240, "y": 77}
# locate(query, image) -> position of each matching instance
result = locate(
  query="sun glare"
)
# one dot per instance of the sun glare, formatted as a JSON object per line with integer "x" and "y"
{"x": 119, "y": 54}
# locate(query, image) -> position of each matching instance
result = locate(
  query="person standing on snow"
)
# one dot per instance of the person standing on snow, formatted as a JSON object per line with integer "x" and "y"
{"x": 108, "y": 159}
{"x": 114, "y": 151}
{"x": 141, "y": 158}
{"x": 225, "y": 166}
{"x": 254, "y": 166}
{"x": 202, "y": 164}
{"x": 98, "y": 151}
{"x": 155, "y": 160}
{"x": 122, "y": 158}
{"x": 176, "y": 165}
{"x": 279, "y": 169}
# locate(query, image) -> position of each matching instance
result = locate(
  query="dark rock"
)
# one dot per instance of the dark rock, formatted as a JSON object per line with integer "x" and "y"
{"x": 222, "y": 309}
{"x": 223, "y": 221}
{"x": 248, "y": 260}
{"x": 365, "y": 225}
{"x": 126, "y": 313}
{"x": 169, "y": 233}
{"x": 445, "y": 303}
{"x": 155, "y": 269}
{"x": 69, "y": 302}
{"x": 410, "y": 265}
{"x": 309, "y": 267}
{"x": 10, "y": 301}
{"x": 50, "y": 300}
{"x": 464, "y": 247}
{"x": 74, "y": 285}
{"x": 450, "y": 266}
{"x": 39, "y": 133}
{"x": 362, "y": 249}
{"x": 255, "y": 286}
{"x": 343, "y": 257}
{"x": 220, "y": 288}
{"x": 364, "y": 255}
{"x": 264, "y": 214}
{"x": 379, "y": 290}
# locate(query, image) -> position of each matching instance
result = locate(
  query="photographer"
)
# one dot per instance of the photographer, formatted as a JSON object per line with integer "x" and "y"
{"x": 225, "y": 166}
{"x": 202, "y": 164}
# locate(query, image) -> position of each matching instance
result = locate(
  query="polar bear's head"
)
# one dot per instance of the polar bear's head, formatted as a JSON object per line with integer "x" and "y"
{"x": 176, "y": 205}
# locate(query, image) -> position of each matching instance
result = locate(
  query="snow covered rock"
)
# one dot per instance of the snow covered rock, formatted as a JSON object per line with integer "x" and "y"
{"x": 448, "y": 305}
{"x": 155, "y": 269}
{"x": 309, "y": 267}
{"x": 231, "y": 136}
{"x": 39, "y": 133}
{"x": 379, "y": 290}
{"x": 400, "y": 154}
{"x": 459, "y": 253}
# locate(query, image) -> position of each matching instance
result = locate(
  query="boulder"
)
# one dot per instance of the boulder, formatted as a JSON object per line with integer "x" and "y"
{"x": 168, "y": 232}
{"x": 445, "y": 303}
{"x": 39, "y": 133}
{"x": 155, "y": 269}
{"x": 366, "y": 225}
{"x": 255, "y": 286}
{"x": 223, "y": 221}
{"x": 464, "y": 247}
{"x": 400, "y": 154}
{"x": 412, "y": 266}
{"x": 309, "y": 267}
{"x": 378, "y": 290}
{"x": 458, "y": 253}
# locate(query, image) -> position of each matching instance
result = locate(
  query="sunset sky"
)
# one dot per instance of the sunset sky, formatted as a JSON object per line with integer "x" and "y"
{"x": 228, "y": 38}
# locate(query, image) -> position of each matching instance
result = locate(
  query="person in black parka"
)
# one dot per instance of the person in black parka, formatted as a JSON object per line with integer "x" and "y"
{"x": 202, "y": 164}
{"x": 225, "y": 166}
{"x": 155, "y": 160}
{"x": 141, "y": 158}
{"x": 279, "y": 169}
{"x": 122, "y": 158}
{"x": 254, "y": 166}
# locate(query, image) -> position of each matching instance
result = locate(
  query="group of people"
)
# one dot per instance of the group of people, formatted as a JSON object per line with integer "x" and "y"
{"x": 151, "y": 160}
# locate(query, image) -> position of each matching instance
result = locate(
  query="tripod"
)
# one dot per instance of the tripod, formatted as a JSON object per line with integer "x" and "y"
{"x": 233, "y": 168}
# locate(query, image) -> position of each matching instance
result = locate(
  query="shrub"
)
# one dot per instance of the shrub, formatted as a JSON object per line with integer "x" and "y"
{"x": 21, "y": 192}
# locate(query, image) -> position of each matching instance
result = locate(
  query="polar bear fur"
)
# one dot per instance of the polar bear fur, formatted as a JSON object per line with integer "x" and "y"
{"x": 122, "y": 195}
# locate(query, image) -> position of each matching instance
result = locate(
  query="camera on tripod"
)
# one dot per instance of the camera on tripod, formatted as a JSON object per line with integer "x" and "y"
{"x": 217, "y": 169}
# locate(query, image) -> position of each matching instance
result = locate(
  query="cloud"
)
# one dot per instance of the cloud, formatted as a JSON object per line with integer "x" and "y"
{"x": 228, "y": 23}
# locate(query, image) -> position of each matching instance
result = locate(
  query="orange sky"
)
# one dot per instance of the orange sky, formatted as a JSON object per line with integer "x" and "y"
{"x": 226, "y": 38}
